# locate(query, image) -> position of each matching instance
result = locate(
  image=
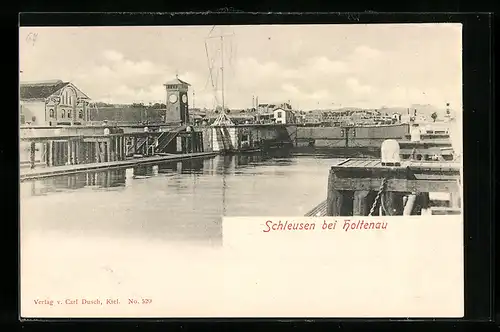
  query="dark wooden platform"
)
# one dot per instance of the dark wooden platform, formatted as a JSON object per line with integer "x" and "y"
{"x": 354, "y": 184}
{"x": 411, "y": 176}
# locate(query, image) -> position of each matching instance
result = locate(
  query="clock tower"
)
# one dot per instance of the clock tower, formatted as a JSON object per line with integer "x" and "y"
{"x": 177, "y": 101}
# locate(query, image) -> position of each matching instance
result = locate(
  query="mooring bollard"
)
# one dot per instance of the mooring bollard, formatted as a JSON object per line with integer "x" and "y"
{"x": 415, "y": 133}
{"x": 390, "y": 153}
{"x": 391, "y": 203}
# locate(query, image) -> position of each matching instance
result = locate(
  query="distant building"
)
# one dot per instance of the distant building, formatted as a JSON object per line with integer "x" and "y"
{"x": 312, "y": 118}
{"x": 52, "y": 103}
{"x": 284, "y": 116}
{"x": 269, "y": 108}
{"x": 265, "y": 108}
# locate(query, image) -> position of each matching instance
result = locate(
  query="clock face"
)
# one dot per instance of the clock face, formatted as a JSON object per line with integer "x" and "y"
{"x": 172, "y": 98}
{"x": 184, "y": 99}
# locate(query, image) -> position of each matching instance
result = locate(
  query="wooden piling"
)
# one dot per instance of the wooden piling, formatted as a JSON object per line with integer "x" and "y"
{"x": 122, "y": 148}
{"x": 111, "y": 148}
{"x": 422, "y": 202}
{"x": 32, "y": 154}
{"x": 91, "y": 152}
{"x": 68, "y": 153}
{"x": 95, "y": 150}
{"x": 392, "y": 203}
{"x": 53, "y": 154}
{"x": 48, "y": 153}
{"x": 64, "y": 152}
{"x": 77, "y": 151}
{"x": 60, "y": 153}
{"x": 183, "y": 144}
{"x": 409, "y": 204}
{"x": 109, "y": 179}
{"x": 189, "y": 143}
{"x": 108, "y": 150}
{"x": 361, "y": 204}
{"x": 102, "y": 152}
{"x": 339, "y": 202}
{"x": 119, "y": 148}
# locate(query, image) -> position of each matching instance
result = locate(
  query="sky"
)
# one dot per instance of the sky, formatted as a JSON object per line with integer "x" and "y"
{"x": 312, "y": 66}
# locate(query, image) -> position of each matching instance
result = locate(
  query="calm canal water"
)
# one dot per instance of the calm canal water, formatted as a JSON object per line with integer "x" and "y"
{"x": 155, "y": 232}
{"x": 174, "y": 201}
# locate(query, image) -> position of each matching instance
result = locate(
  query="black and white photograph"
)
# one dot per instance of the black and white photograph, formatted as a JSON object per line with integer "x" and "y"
{"x": 136, "y": 142}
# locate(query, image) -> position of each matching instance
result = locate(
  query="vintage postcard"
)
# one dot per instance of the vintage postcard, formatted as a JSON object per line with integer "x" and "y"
{"x": 241, "y": 171}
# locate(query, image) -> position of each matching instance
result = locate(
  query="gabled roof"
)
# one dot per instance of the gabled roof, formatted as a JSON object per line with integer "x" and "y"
{"x": 177, "y": 81}
{"x": 40, "y": 90}
{"x": 45, "y": 89}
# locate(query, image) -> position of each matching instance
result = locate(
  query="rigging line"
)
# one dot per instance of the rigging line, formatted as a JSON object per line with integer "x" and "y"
{"x": 211, "y": 73}
{"x": 211, "y": 30}
{"x": 210, "y": 65}
{"x": 234, "y": 59}
{"x": 216, "y": 87}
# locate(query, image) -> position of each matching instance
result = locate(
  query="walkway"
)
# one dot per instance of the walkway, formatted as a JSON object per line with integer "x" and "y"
{"x": 30, "y": 174}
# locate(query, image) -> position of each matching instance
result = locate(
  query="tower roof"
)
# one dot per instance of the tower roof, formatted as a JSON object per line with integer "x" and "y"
{"x": 177, "y": 81}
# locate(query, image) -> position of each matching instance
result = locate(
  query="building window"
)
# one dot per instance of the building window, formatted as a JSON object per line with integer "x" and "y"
{"x": 22, "y": 119}
{"x": 63, "y": 113}
{"x": 279, "y": 114}
{"x": 80, "y": 114}
{"x": 51, "y": 113}
{"x": 33, "y": 118}
{"x": 69, "y": 113}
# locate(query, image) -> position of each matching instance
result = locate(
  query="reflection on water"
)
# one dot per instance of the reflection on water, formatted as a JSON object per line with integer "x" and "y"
{"x": 175, "y": 201}
{"x": 107, "y": 179}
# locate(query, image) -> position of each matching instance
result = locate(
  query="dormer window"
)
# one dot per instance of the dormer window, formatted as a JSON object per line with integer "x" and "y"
{"x": 51, "y": 113}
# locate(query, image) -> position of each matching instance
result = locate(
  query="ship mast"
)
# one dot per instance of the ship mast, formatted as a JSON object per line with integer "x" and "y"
{"x": 222, "y": 119}
{"x": 222, "y": 69}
